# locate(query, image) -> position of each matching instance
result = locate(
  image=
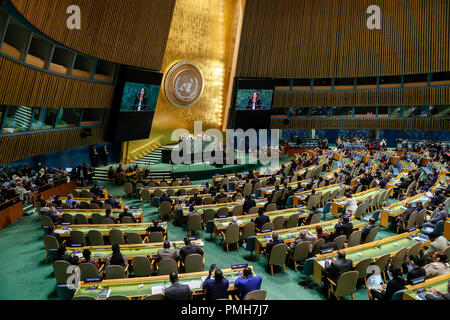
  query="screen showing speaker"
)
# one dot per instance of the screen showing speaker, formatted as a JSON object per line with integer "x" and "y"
{"x": 254, "y": 99}
{"x": 253, "y": 103}
{"x": 135, "y": 97}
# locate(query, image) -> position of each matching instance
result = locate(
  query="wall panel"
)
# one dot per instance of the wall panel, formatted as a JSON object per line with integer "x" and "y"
{"x": 407, "y": 97}
{"x": 21, "y": 146}
{"x": 132, "y": 32}
{"x": 21, "y": 85}
{"x": 324, "y": 38}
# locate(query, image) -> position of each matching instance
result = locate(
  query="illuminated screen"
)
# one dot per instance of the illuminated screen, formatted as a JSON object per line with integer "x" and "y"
{"x": 254, "y": 99}
{"x": 139, "y": 97}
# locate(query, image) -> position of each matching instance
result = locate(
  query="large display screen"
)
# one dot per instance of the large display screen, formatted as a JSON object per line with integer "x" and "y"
{"x": 253, "y": 103}
{"x": 134, "y": 104}
{"x": 139, "y": 97}
{"x": 254, "y": 99}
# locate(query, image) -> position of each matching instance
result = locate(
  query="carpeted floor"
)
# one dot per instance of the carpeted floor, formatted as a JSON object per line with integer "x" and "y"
{"x": 24, "y": 274}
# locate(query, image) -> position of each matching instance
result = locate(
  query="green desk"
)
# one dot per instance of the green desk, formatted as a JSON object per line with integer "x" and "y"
{"x": 301, "y": 196}
{"x": 302, "y": 171}
{"x": 129, "y": 250}
{"x": 293, "y": 185}
{"x": 406, "y": 165}
{"x": 137, "y": 213}
{"x": 200, "y": 188}
{"x": 140, "y": 228}
{"x": 394, "y": 183}
{"x": 289, "y": 235}
{"x": 229, "y": 205}
{"x": 139, "y": 288}
{"x": 105, "y": 191}
{"x": 439, "y": 283}
{"x": 397, "y": 209}
{"x": 338, "y": 205}
{"x": 440, "y": 183}
{"x": 220, "y": 224}
{"x": 370, "y": 250}
{"x": 88, "y": 200}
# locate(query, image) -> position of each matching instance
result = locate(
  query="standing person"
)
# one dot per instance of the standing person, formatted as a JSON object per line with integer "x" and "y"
{"x": 94, "y": 158}
{"x": 105, "y": 155}
{"x": 350, "y": 204}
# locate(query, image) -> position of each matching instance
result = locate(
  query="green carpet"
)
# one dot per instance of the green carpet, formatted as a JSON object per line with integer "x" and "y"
{"x": 25, "y": 275}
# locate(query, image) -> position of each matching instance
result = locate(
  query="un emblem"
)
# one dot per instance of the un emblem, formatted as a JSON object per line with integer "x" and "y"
{"x": 184, "y": 84}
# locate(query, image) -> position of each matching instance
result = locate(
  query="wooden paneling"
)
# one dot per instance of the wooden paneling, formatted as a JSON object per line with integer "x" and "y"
{"x": 11, "y": 214}
{"x": 124, "y": 31}
{"x": 61, "y": 190}
{"x": 368, "y": 123}
{"x": 21, "y": 146}
{"x": 398, "y": 97}
{"x": 21, "y": 85}
{"x": 325, "y": 39}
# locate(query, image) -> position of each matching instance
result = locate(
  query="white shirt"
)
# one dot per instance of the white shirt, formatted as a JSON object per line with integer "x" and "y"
{"x": 350, "y": 205}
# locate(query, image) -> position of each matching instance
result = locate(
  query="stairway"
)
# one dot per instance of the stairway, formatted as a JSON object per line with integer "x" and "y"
{"x": 22, "y": 116}
{"x": 154, "y": 157}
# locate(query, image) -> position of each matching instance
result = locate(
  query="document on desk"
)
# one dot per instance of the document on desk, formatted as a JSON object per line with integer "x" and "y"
{"x": 158, "y": 289}
{"x": 194, "y": 284}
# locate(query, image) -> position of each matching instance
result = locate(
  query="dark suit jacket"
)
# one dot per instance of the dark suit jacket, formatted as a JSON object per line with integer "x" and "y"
{"x": 248, "y": 204}
{"x": 144, "y": 105}
{"x": 250, "y": 104}
{"x": 127, "y": 214}
{"x": 347, "y": 229}
{"x": 178, "y": 291}
{"x": 190, "y": 249}
{"x": 215, "y": 290}
{"x": 365, "y": 231}
{"x": 260, "y": 220}
{"x": 414, "y": 274}
{"x": 272, "y": 244}
{"x": 338, "y": 267}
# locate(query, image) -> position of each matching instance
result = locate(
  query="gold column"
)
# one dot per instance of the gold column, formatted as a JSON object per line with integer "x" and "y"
{"x": 201, "y": 32}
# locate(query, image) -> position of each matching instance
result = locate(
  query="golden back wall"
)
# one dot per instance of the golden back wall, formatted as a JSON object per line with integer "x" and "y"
{"x": 328, "y": 38}
{"x": 132, "y": 32}
{"x": 201, "y": 33}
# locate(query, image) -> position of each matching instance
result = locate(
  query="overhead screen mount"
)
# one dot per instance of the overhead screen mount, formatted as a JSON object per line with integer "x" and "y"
{"x": 135, "y": 97}
{"x": 253, "y": 103}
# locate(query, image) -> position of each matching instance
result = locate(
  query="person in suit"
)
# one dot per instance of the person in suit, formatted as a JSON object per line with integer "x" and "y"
{"x": 61, "y": 255}
{"x": 386, "y": 291}
{"x": 112, "y": 202}
{"x": 303, "y": 236}
{"x": 247, "y": 282}
{"x": 166, "y": 252}
{"x": 254, "y": 103}
{"x": 51, "y": 232}
{"x": 96, "y": 201}
{"x": 440, "y": 215}
{"x": 417, "y": 271}
{"x": 248, "y": 203}
{"x": 155, "y": 227}
{"x": 261, "y": 219}
{"x": 126, "y": 213}
{"x": 96, "y": 190}
{"x": 404, "y": 217}
{"x": 216, "y": 288}
{"x": 189, "y": 248}
{"x": 272, "y": 243}
{"x": 165, "y": 197}
{"x": 51, "y": 213}
{"x": 56, "y": 201}
{"x": 307, "y": 220}
{"x": 438, "y": 243}
{"x": 366, "y": 229}
{"x": 192, "y": 211}
{"x": 438, "y": 266}
{"x": 105, "y": 155}
{"x": 140, "y": 103}
{"x": 196, "y": 200}
{"x": 337, "y": 267}
{"x": 440, "y": 296}
{"x": 110, "y": 216}
{"x": 344, "y": 227}
{"x": 177, "y": 291}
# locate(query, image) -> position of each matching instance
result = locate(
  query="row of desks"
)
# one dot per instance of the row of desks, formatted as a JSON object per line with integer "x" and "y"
{"x": 418, "y": 291}
{"x": 397, "y": 209}
{"x": 138, "y": 288}
{"x": 136, "y": 212}
{"x": 139, "y": 228}
{"x": 129, "y": 250}
{"x": 371, "y": 250}
{"x": 289, "y": 235}
{"x": 338, "y": 204}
